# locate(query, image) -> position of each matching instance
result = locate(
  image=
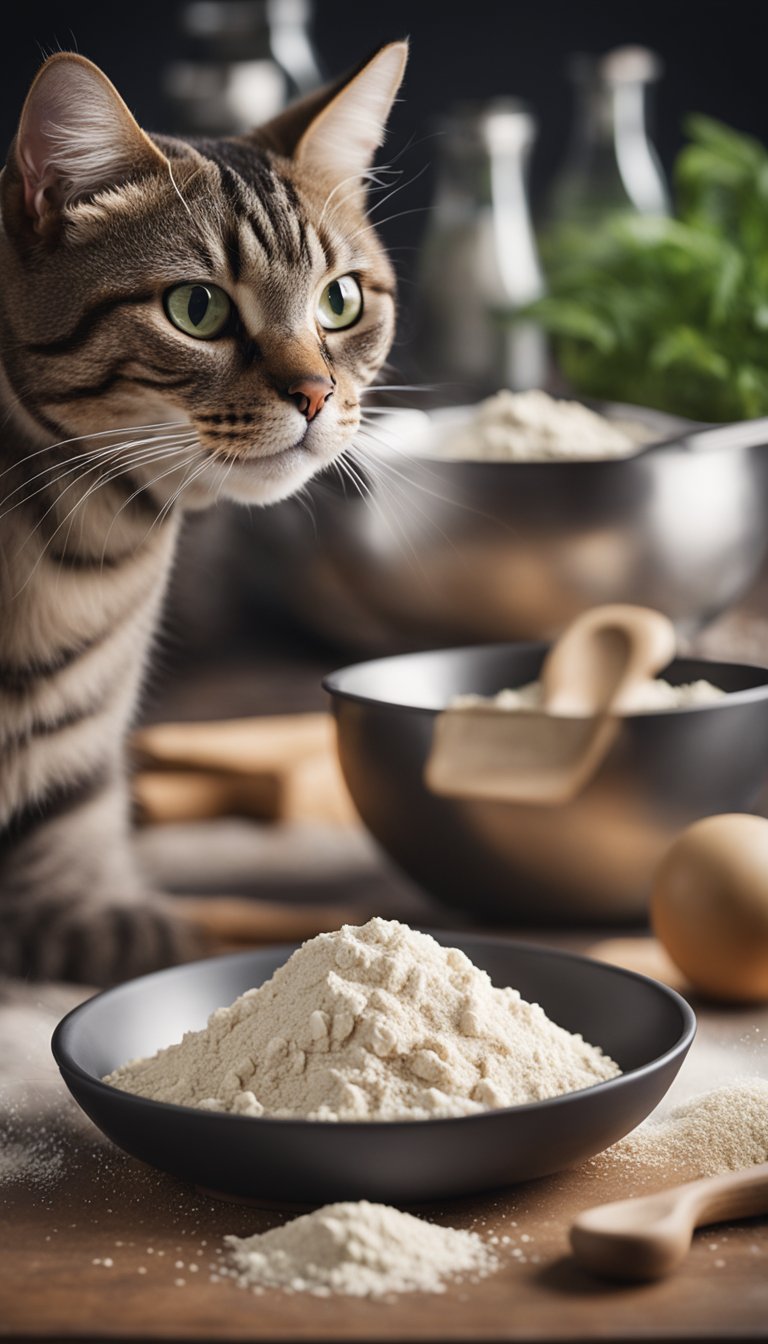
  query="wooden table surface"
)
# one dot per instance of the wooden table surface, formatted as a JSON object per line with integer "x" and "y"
{"x": 94, "y": 1245}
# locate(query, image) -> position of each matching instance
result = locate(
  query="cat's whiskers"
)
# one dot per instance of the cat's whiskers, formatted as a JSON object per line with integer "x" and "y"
{"x": 350, "y": 467}
{"x": 84, "y": 462}
{"x": 194, "y": 466}
{"x": 93, "y": 458}
{"x": 374, "y": 179}
{"x": 371, "y": 228}
{"x": 195, "y": 470}
{"x": 372, "y": 176}
{"x": 77, "y": 509}
{"x": 304, "y": 500}
{"x": 190, "y": 446}
{"x": 175, "y": 186}
{"x": 96, "y": 485}
{"x": 355, "y": 178}
{"x": 398, "y": 387}
{"x": 382, "y": 462}
{"x": 225, "y": 477}
{"x": 97, "y": 434}
{"x": 399, "y": 186}
{"x": 148, "y": 461}
{"x": 389, "y": 518}
{"x": 395, "y": 497}
{"x": 368, "y": 175}
{"x": 376, "y": 461}
{"x": 147, "y": 458}
{"x": 127, "y": 461}
{"x": 389, "y": 410}
{"x": 377, "y": 204}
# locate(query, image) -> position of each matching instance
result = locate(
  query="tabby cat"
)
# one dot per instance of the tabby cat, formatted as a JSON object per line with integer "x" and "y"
{"x": 182, "y": 319}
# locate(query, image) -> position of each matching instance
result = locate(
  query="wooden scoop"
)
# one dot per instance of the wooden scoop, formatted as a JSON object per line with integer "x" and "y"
{"x": 547, "y": 756}
{"x": 648, "y": 1237}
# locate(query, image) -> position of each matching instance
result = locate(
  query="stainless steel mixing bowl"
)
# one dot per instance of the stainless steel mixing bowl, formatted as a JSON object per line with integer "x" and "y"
{"x": 589, "y": 861}
{"x": 454, "y": 552}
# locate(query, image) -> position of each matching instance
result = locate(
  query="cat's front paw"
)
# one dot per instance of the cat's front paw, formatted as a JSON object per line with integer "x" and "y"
{"x": 95, "y": 943}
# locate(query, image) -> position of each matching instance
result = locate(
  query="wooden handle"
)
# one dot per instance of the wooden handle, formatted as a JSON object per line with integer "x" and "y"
{"x": 547, "y": 757}
{"x": 604, "y": 656}
{"x": 738, "y": 1194}
{"x": 225, "y": 921}
{"x": 647, "y": 1238}
{"x": 272, "y": 769}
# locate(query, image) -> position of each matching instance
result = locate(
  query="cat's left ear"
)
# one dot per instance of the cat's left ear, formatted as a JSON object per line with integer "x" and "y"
{"x": 336, "y": 131}
{"x": 76, "y": 137}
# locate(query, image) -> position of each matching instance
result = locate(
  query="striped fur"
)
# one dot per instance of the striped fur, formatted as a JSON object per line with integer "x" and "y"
{"x": 115, "y": 422}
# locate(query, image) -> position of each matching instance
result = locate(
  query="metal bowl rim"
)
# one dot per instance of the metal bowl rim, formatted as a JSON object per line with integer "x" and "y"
{"x": 331, "y": 681}
{"x": 66, "y": 1064}
{"x": 607, "y": 409}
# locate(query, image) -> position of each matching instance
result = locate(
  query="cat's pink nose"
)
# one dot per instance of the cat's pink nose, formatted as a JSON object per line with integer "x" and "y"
{"x": 310, "y": 394}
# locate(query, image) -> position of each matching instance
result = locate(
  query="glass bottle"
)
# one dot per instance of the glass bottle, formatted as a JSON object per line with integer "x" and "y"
{"x": 245, "y": 60}
{"x": 611, "y": 164}
{"x": 479, "y": 259}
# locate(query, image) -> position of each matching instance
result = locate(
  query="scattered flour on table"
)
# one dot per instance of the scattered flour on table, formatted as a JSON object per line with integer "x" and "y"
{"x": 376, "y": 1022}
{"x": 719, "y": 1131}
{"x": 649, "y": 697}
{"x": 532, "y": 426}
{"x": 40, "y": 1125}
{"x": 359, "y": 1250}
{"x": 35, "y": 1160}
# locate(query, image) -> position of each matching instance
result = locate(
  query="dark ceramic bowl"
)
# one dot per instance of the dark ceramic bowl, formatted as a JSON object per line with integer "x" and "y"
{"x": 644, "y": 1026}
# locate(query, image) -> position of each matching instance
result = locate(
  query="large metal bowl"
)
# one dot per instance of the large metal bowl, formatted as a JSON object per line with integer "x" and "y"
{"x": 589, "y": 861}
{"x": 457, "y": 552}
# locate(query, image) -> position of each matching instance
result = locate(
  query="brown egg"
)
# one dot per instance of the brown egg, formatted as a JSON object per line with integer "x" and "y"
{"x": 709, "y": 906}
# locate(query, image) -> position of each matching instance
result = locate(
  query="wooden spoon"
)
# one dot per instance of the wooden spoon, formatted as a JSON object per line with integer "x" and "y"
{"x": 648, "y": 1237}
{"x": 547, "y": 756}
{"x": 603, "y": 658}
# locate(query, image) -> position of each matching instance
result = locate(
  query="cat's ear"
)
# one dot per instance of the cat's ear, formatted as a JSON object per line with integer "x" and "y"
{"x": 76, "y": 136}
{"x": 336, "y": 131}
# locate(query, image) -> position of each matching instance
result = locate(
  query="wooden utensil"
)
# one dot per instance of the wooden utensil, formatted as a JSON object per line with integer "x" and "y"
{"x": 603, "y": 658}
{"x": 230, "y": 922}
{"x": 642, "y": 954}
{"x": 281, "y": 767}
{"x": 547, "y": 756}
{"x": 648, "y": 1237}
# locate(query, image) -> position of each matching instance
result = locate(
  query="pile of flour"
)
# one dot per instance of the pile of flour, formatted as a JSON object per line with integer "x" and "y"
{"x": 650, "y": 697}
{"x": 358, "y": 1250}
{"x": 371, "y": 1023}
{"x": 534, "y": 427}
{"x": 719, "y": 1131}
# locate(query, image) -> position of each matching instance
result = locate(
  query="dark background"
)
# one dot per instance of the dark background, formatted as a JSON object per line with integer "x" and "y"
{"x": 714, "y": 53}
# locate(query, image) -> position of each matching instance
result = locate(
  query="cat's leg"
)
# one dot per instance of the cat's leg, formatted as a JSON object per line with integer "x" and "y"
{"x": 73, "y": 905}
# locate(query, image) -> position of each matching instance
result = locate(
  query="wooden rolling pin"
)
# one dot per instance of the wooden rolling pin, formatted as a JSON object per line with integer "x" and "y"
{"x": 274, "y": 768}
{"x": 648, "y": 1237}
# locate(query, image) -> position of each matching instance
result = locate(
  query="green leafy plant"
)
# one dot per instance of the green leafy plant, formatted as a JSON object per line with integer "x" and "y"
{"x": 673, "y": 313}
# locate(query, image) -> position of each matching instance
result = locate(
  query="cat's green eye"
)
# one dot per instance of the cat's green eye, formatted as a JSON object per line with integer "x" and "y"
{"x": 341, "y": 303}
{"x": 199, "y": 310}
